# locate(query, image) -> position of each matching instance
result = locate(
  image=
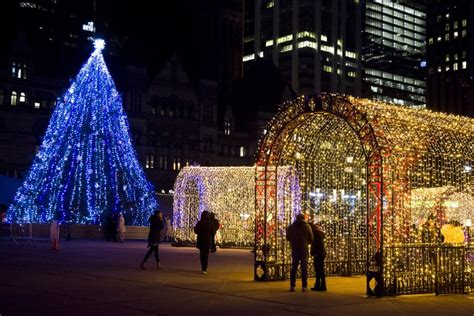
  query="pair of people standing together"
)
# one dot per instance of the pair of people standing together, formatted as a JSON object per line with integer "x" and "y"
{"x": 300, "y": 234}
{"x": 205, "y": 230}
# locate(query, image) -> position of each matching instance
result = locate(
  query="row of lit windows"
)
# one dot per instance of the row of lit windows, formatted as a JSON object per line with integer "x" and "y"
{"x": 391, "y": 38}
{"x": 398, "y": 10}
{"x": 414, "y": 97}
{"x": 21, "y": 98}
{"x": 395, "y": 77}
{"x": 455, "y": 56}
{"x": 448, "y": 67}
{"x": 447, "y": 36}
{"x": 251, "y": 57}
{"x": 419, "y": 28}
{"x": 397, "y": 30}
{"x": 163, "y": 162}
{"x": 455, "y": 25}
{"x": 397, "y": 85}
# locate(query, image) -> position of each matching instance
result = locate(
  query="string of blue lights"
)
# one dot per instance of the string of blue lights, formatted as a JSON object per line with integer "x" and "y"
{"x": 86, "y": 168}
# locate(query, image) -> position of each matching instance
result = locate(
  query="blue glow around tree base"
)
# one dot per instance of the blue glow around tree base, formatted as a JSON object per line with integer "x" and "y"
{"x": 86, "y": 168}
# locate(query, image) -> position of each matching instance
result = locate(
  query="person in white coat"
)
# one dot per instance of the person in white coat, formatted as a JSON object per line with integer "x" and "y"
{"x": 121, "y": 227}
{"x": 54, "y": 235}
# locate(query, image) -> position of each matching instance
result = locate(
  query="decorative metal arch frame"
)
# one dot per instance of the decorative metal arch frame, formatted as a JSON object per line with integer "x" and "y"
{"x": 405, "y": 151}
{"x": 291, "y": 115}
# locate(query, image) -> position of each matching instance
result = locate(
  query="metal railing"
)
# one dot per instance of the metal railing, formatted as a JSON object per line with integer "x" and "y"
{"x": 427, "y": 268}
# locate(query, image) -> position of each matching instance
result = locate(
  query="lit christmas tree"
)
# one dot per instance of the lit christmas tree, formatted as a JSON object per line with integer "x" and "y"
{"x": 86, "y": 168}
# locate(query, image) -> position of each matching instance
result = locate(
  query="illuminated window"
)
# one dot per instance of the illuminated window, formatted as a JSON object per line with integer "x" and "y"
{"x": 446, "y": 58}
{"x": 430, "y": 41}
{"x": 306, "y": 34}
{"x": 286, "y": 48}
{"x": 37, "y": 105}
{"x": 89, "y": 27}
{"x": 13, "y": 98}
{"x": 350, "y": 54}
{"x": 324, "y": 38}
{"x": 439, "y": 68}
{"x": 22, "y": 97}
{"x": 464, "y": 33}
{"x": 446, "y": 27}
{"x": 248, "y": 57}
{"x": 242, "y": 151}
{"x": 464, "y": 64}
{"x": 327, "y": 68}
{"x": 439, "y": 38}
{"x": 270, "y": 4}
{"x": 268, "y": 43}
{"x": 455, "y": 56}
{"x": 447, "y": 68}
{"x": 18, "y": 70}
{"x": 227, "y": 127}
{"x": 464, "y": 23}
{"x": 455, "y": 25}
{"x": 307, "y": 44}
{"x": 176, "y": 163}
{"x": 328, "y": 49}
{"x": 447, "y": 15}
{"x": 150, "y": 162}
{"x": 455, "y": 66}
{"x": 446, "y": 37}
{"x": 286, "y": 38}
{"x": 352, "y": 74}
{"x": 456, "y": 34}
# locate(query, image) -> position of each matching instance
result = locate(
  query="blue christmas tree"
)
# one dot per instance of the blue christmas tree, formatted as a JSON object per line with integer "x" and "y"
{"x": 86, "y": 168}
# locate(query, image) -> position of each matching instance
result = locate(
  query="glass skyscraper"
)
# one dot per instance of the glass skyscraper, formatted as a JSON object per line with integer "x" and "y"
{"x": 367, "y": 48}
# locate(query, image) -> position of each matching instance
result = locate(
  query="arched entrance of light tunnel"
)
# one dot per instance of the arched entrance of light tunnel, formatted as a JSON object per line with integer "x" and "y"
{"x": 334, "y": 152}
{"x": 331, "y": 165}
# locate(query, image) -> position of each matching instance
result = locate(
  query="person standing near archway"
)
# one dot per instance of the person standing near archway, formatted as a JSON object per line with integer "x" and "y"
{"x": 204, "y": 230}
{"x": 319, "y": 254}
{"x": 300, "y": 235}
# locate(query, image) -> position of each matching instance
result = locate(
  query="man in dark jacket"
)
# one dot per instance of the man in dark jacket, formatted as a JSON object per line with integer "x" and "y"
{"x": 204, "y": 230}
{"x": 156, "y": 225}
{"x": 319, "y": 254}
{"x": 300, "y": 235}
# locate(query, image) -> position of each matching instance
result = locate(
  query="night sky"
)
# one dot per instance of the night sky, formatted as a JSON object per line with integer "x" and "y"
{"x": 154, "y": 33}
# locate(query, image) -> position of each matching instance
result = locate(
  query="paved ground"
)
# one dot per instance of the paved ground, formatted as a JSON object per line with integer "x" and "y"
{"x": 100, "y": 278}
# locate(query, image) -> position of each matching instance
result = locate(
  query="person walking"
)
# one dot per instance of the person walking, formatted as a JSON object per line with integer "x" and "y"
{"x": 318, "y": 251}
{"x": 156, "y": 225}
{"x": 215, "y": 222}
{"x": 300, "y": 235}
{"x": 204, "y": 230}
{"x": 121, "y": 228}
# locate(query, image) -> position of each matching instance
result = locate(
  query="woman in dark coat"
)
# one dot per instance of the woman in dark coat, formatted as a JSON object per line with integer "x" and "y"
{"x": 156, "y": 225}
{"x": 204, "y": 230}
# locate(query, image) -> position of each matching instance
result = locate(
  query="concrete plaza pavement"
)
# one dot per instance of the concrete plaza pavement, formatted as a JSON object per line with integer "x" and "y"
{"x": 101, "y": 278}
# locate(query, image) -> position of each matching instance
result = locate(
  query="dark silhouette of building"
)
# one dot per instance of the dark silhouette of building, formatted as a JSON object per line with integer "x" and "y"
{"x": 174, "y": 95}
{"x": 450, "y": 57}
{"x": 365, "y": 48}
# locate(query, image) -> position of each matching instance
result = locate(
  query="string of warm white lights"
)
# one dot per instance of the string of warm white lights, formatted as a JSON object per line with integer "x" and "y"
{"x": 229, "y": 192}
{"x": 380, "y": 179}
{"x": 86, "y": 168}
